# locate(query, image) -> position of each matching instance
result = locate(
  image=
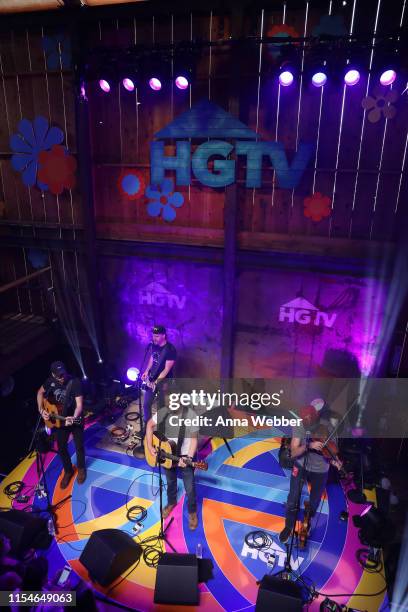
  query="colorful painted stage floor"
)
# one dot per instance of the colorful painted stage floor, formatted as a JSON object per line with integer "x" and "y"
{"x": 235, "y": 496}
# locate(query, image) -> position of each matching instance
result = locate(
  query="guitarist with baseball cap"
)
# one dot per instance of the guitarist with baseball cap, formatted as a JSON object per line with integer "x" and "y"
{"x": 65, "y": 390}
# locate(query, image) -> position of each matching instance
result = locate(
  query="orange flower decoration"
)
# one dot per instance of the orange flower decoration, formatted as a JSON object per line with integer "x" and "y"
{"x": 57, "y": 169}
{"x": 283, "y": 30}
{"x": 317, "y": 206}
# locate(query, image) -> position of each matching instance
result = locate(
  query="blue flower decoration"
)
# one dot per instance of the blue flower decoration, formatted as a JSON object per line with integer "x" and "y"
{"x": 37, "y": 258}
{"x": 57, "y": 51}
{"x": 163, "y": 200}
{"x": 330, "y": 25}
{"x": 32, "y": 138}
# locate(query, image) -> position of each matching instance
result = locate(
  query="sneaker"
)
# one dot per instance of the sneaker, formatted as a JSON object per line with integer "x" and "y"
{"x": 192, "y": 520}
{"x": 168, "y": 509}
{"x": 285, "y": 535}
{"x": 66, "y": 479}
{"x": 81, "y": 475}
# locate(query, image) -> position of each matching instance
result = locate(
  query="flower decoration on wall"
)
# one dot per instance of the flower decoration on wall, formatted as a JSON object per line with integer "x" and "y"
{"x": 131, "y": 184}
{"x": 37, "y": 258}
{"x": 330, "y": 25}
{"x": 32, "y": 138}
{"x": 58, "y": 52}
{"x": 317, "y": 206}
{"x": 163, "y": 200}
{"x": 280, "y": 31}
{"x": 380, "y": 105}
{"x": 57, "y": 169}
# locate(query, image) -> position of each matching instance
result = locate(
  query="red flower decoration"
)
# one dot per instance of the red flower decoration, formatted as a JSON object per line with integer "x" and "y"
{"x": 131, "y": 184}
{"x": 57, "y": 169}
{"x": 317, "y": 206}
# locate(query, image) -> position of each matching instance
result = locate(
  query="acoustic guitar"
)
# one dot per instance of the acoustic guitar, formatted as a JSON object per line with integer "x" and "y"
{"x": 167, "y": 454}
{"x": 56, "y": 419}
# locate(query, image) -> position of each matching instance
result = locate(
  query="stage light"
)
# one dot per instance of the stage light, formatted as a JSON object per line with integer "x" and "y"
{"x": 155, "y": 84}
{"x": 388, "y": 77}
{"x": 286, "y": 78}
{"x": 181, "y": 82}
{"x": 128, "y": 84}
{"x": 100, "y": 360}
{"x": 84, "y": 377}
{"x": 132, "y": 374}
{"x": 319, "y": 79}
{"x": 104, "y": 85}
{"x": 351, "y": 77}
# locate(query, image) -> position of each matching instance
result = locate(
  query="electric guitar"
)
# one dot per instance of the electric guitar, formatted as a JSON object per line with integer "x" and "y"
{"x": 56, "y": 419}
{"x": 167, "y": 454}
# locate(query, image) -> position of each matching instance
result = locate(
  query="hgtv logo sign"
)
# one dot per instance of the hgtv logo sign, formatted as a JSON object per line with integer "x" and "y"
{"x": 218, "y": 128}
{"x": 303, "y": 312}
{"x": 154, "y": 294}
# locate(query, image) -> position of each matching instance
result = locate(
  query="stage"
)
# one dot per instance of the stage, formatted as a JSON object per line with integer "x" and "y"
{"x": 235, "y": 496}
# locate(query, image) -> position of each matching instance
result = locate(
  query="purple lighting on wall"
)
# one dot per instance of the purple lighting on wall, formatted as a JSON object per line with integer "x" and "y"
{"x": 319, "y": 79}
{"x": 155, "y": 84}
{"x": 181, "y": 82}
{"x": 132, "y": 374}
{"x": 128, "y": 84}
{"x": 104, "y": 85}
{"x": 352, "y": 77}
{"x": 286, "y": 78}
{"x": 388, "y": 77}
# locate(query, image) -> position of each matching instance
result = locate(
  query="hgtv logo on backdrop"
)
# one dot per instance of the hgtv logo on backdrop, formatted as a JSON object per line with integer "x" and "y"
{"x": 213, "y": 124}
{"x": 303, "y": 312}
{"x": 155, "y": 294}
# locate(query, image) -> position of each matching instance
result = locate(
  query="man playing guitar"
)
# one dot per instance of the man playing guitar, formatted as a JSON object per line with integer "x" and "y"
{"x": 159, "y": 367}
{"x": 309, "y": 465}
{"x": 67, "y": 392}
{"x": 186, "y": 446}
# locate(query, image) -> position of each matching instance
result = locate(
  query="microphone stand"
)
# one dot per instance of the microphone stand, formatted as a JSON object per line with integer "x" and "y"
{"x": 162, "y": 532}
{"x": 139, "y": 450}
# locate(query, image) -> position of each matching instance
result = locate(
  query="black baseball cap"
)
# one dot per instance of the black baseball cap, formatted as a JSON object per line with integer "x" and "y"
{"x": 158, "y": 329}
{"x": 58, "y": 368}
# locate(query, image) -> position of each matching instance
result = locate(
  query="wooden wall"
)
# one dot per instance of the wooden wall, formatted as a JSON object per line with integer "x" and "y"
{"x": 359, "y": 165}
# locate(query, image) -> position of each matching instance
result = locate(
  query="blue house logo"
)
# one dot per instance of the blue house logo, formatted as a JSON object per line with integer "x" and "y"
{"x": 208, "y": 121}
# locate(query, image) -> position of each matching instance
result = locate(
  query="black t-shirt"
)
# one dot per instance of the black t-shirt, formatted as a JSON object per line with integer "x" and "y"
{"x": 160, "y": 355}
{"x": 63, "y": 393}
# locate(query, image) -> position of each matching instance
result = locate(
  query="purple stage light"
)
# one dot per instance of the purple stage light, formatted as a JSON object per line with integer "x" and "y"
{"x": 132, "y": 374}
{"x": 319, "y": 79}
{"x": 286, "y": 78}
{"x": 181, "y": 82}
{"x": 352, "y": 77}
{"x": 388, "y": 77}
{"x": 128, "y": 84}
{"x": 155, "y": 84}
{"x": 104, "y": 85}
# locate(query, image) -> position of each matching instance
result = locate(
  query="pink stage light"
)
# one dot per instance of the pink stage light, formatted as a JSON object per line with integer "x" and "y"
{"x": 181, "y": 82}
{"x": 128, "y": 84}
{"x": 104, "y": 85}
{"x": 352, "y": 77}
{"x": 155, "y": 84}
{"x": 286, "y": 78}
{"x": 388, "y": 77}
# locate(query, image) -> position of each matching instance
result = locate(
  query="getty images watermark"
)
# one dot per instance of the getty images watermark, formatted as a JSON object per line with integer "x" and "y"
{"x": 201, "y": 400}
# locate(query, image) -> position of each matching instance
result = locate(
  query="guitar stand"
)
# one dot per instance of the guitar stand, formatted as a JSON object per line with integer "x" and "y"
{"x": 162, "y": 532}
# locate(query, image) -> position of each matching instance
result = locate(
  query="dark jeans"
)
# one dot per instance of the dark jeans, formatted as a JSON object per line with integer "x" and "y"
{"x": 62, "y": 434}
{"x": 187, "y": 474}
{"x": 317, "y": 481}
